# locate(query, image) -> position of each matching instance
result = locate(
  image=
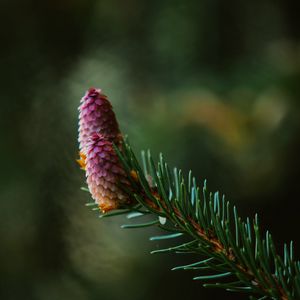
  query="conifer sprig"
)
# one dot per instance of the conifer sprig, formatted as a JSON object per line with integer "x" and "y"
{"x": 234, "y": 254}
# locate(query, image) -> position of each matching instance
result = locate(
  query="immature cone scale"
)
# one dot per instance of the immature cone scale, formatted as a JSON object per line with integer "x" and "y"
{"x": 98, "y": 130}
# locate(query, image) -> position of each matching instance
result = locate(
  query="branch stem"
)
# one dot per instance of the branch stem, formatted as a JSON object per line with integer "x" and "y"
{"x": 217, "y": 247}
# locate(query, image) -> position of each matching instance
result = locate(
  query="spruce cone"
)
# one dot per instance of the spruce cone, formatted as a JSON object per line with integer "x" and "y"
{"x": 98, "y": 130}
{"x": 95, "y": 115}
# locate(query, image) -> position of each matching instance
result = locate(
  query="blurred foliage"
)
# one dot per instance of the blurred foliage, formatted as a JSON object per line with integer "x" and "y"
{"x": 213, "y": 85}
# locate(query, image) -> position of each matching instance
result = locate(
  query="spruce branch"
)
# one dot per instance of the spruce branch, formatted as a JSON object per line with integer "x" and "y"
{"x": 234, "y": 253}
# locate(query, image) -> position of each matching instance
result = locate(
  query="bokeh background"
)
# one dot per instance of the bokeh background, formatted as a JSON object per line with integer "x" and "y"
{"x": 212, "y": 84}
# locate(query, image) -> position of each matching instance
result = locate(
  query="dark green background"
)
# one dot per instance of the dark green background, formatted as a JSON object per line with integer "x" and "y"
{"x": 212, "y": 84}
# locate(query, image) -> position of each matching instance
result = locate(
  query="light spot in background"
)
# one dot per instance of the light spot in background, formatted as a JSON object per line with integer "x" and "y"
{"x": 270, "y": 108}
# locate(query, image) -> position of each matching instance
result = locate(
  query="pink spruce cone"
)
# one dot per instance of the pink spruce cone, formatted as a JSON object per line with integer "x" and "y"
{"x": 98, "y": 130}
{"x": 96, "y": 115}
